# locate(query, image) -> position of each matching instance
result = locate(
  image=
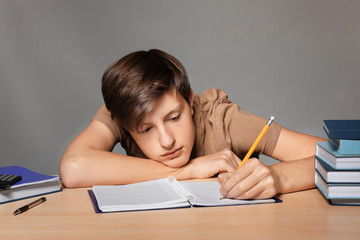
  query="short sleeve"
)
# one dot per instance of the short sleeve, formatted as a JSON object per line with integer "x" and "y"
{"x": 120, "y": 134}
{"x": 104, "y": 116}
{"x": 243, "y": 128}
{"x": 221, "y": 124}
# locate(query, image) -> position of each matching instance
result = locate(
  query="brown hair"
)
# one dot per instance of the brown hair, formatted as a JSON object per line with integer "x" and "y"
{"x": 132, "y": 85}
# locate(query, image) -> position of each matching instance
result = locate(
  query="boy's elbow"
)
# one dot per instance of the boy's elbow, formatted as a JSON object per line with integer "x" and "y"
{"x": 70, "y": 171}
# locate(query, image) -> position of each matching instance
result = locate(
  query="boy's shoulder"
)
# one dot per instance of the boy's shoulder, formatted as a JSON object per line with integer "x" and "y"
{"x": 213, "y": 103}
{"x": 211, "y": 96}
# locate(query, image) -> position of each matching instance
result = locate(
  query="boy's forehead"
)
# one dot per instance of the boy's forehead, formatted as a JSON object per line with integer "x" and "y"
{"x": 169, "y": 102}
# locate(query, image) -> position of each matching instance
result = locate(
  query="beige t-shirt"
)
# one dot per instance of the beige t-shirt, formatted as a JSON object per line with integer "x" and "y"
{"x": 219, "y": 124}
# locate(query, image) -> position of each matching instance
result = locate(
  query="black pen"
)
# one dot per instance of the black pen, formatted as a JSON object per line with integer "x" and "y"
{"x": 30, "y": 205}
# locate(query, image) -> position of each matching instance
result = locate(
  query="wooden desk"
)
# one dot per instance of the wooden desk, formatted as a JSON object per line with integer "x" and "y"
{"x": 69, "y": 215}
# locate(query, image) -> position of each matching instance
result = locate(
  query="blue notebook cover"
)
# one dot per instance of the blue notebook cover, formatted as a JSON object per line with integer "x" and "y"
{"x": 32, "y": 184}
{"x": 28, "y": 176}
{"x": 343, "y": 129}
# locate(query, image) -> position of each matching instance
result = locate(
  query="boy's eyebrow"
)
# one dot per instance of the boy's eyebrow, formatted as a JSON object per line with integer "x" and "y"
{"x": 179, "y": 108}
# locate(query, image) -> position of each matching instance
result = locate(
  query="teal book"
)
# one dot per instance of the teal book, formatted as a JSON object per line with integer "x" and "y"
{"x": 328, "y": 153}
{"x": 32, "y": 184}
{"x": 343, "y": 129}
{"x": 346, "y": 146}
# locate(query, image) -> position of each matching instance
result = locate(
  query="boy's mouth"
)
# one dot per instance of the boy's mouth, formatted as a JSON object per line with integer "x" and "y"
{"x": 173, "y": 154}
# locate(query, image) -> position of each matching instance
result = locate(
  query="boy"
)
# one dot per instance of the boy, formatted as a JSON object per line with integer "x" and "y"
{"x": 167, "y": 130}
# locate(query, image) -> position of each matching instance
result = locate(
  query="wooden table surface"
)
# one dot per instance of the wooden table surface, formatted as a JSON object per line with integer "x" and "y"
{"x": 69, "y": 215}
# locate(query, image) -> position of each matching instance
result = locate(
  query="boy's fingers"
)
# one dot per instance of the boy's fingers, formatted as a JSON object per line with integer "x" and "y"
{"x": 223, "y": 177}
{"x": 233, "y": 179}
{"x": 250, "y": 187}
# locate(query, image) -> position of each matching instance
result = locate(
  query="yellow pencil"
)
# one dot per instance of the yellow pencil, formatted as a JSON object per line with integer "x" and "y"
{"x": 251, "y": 150}
{"x": 262, "y": 133}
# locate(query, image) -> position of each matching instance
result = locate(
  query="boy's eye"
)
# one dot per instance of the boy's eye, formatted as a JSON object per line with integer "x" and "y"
{"x": 175, "y": 117}
{"x": 146, "y": 130}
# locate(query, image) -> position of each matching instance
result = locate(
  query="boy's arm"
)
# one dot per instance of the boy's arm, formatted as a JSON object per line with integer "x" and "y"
{"x": 88, "y": 161}
{"x": 297, "y": 153}
{"x": 295, "y": 172}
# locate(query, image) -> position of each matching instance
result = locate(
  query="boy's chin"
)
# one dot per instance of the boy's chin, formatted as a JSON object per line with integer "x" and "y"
{"x": 176, "y": 163}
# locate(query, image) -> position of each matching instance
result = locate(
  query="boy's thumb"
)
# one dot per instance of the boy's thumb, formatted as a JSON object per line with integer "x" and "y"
{"x": 223, "y": 177}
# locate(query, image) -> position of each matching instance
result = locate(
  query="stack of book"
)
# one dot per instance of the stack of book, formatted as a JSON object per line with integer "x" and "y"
{"x": 31, "y": 184}
{"x": 337, "y": 162}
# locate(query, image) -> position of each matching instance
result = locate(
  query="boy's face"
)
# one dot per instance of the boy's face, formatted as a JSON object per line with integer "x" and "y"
{"x": 167, "y": 133}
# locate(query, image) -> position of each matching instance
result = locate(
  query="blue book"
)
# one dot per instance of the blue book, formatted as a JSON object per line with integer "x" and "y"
{"x": 331, "y": 175}
{"x": 32, "y": 184}
{"x": 328, "y": 153}
{"x": 343, "y": 129}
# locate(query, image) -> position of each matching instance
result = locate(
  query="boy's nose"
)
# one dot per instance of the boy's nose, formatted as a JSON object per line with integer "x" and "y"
{"x": 167, "y": 141}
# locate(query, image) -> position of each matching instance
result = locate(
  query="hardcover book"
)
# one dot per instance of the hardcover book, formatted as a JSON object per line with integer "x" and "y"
{"x": 337, "y": 190}
{"x": 331, "y": 175}
{"x": 346, "y": 146}
{"x": 342, "y": 129}
{"x": 328, "y": 153}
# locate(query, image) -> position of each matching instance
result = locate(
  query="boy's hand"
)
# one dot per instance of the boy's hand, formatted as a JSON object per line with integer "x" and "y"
{"x": 210, "y": 165}
{"x": 253, "y": 180}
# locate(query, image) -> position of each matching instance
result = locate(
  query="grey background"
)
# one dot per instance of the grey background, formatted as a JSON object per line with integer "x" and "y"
{"x": 296, "y": 60}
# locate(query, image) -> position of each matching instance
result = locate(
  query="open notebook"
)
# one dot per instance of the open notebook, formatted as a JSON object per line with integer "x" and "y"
{"x": 162, "y": 194}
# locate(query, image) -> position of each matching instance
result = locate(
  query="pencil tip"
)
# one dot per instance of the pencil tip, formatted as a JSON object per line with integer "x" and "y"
{"x": 16, "y": 212}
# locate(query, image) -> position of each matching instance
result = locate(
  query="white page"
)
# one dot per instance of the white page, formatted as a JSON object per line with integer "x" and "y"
{"x": 204, "y": 191}
{"x": 208, "y": 194}
{"x": 144, "y": 195}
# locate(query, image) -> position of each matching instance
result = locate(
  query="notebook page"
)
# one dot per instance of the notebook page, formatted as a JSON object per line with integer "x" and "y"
{"x": 144, "y": 195}
{"x": 204, "y": 191}
{"x": 208, "y": 194}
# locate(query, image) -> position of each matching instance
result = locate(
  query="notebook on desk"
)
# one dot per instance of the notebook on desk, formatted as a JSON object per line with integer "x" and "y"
{"x": 165, "y": 193}
{"x": 32, "y": 184}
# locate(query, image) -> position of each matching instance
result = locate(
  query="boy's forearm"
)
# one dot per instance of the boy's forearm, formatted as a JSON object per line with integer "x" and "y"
{"x": 94, "y": 167}
{"x": 294, "y": 175}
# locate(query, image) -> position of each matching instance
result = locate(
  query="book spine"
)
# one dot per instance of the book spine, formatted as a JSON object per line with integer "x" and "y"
{"x": 326, "y": 156}
{"x": 320, "y": 169}
{"x": 181, "y": 190}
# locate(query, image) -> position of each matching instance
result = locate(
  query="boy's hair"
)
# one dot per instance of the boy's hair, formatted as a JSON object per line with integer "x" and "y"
{"x": 132, "y": 85}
